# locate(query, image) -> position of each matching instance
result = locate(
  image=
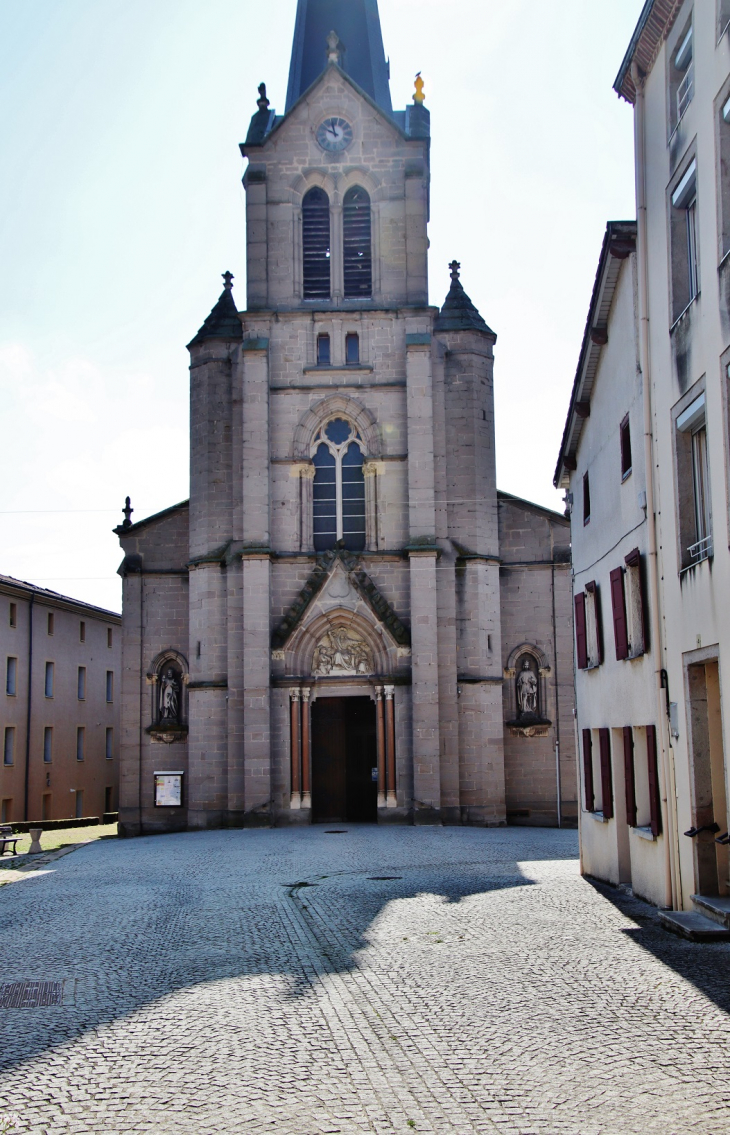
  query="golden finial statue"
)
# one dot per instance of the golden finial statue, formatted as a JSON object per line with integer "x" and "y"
{"x": 419, "y": 96}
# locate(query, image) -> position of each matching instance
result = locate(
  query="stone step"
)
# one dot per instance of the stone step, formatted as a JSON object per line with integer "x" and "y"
{"x": 715, "y": 907}
{"x": 690, "y": 924}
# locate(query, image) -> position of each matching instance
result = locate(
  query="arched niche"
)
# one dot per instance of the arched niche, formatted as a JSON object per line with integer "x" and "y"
{"x": 168, "y": 678}
{"x": 526, "y": 676}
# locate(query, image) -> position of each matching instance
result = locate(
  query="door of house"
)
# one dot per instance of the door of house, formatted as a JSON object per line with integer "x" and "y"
{"x": 344, "y": 755}
{"x": 709, "y": 796}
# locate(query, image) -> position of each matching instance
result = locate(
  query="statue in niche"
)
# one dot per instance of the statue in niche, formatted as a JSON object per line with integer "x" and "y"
{"x": 527, "y": 690}
{"x": 169, "y": 696}
{"x": 342, "y": 652}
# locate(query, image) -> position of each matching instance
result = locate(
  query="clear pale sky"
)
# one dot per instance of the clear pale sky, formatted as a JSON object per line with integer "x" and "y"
{"x": 121, "y": 204}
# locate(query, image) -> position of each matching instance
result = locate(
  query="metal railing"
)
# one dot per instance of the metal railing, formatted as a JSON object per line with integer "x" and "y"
{"x": 685, "y": 90}
{"x": 702, "y": 550}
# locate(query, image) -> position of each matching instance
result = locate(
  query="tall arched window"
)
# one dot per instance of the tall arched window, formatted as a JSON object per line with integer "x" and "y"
{"x": 316, "y": 244}
{"x": 339, "y": 487}
{"x": 356, "y": 254}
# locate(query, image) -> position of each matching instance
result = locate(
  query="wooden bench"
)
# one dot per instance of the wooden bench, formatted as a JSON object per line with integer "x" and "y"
{"x": 8, "y": 838}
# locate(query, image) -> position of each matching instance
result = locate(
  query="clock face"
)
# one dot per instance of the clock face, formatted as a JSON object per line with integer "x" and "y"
{"x": 334, "y": 134}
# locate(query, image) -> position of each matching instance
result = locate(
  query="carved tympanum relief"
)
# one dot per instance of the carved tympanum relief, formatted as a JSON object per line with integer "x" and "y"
{"x": 342, "y": 651}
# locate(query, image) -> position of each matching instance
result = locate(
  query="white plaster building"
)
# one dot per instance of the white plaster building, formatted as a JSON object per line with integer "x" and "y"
{"x": 346, "y": 621}
{"x": 676, "y": 74}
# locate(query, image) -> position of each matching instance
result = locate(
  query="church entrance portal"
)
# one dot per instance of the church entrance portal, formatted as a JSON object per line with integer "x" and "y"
{"x": 344, "y": 755}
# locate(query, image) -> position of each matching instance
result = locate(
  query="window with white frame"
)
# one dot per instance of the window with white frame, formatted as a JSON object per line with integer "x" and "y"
{"x": 339, "y": 486}
{"x": 693, "y": 483}
{"x": 681, "y": 75}
{"x": 588, "y": 629}
{"x": 684, "y": 244}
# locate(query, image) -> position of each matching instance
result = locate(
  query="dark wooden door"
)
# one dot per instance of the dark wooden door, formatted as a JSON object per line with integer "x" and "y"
{"x": 343, "y": 757}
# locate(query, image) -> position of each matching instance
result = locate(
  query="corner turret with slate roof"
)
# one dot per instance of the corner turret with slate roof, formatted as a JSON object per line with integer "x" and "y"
{"x": 223, "y": 321}
{"x": 458, "y": 312}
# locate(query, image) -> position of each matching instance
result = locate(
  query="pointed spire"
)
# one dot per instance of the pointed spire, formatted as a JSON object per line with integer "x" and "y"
{"x": 458, "y": 312}
{"x": 223, "y": 321}
{"x": 356, "y": 23}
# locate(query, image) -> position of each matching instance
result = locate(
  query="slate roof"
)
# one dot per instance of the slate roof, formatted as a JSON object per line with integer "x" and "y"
{"x": 357, "y": 23}
{"x": 458, "y": 312}
{"x": 223, "y": 321}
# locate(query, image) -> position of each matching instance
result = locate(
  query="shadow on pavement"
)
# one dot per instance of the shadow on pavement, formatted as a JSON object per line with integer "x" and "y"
{"x": 135, "y": 921}
{"x": 705, "y": 964}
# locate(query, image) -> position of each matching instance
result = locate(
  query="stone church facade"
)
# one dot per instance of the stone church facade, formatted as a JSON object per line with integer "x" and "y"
{"x": 346, "y": 621}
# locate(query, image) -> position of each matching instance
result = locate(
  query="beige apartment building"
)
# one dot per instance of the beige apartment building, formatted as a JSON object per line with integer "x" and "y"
{"x": 675, "y": 348}
{"x": 59, "y": 721}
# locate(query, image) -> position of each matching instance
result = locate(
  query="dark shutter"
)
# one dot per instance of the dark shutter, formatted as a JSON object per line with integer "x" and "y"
{"x": 588, "y": 770}
{"x": 581, "y": 640}
{"x": 655, "y": 805}
{"x": 629, "y": 779}
{"x": 604, "y": 740}
{"x": 618, "y": 604}
{"x": 356, "y": 252}
{"x": 316, "y": 244}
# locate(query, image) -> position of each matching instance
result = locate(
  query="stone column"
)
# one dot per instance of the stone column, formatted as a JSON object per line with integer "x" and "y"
{"x": 423, "y": 554}
{"x": 306, "y": 749}
{"x": 370, "y": 471}
{"x": 305, "y": 472}
{"x": 256, "y": 583}
{"x": 380, "y": 733}
{"x": 391, "y": 801}
{"x": 296, "y": 751}
{"x": 337, "y": 281}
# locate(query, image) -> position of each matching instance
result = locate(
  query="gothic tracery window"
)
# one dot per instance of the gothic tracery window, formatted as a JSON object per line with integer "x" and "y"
{"x": 356, "y": 250}
{"x": 316, "y": 244}
{"x": 339, "y": 486}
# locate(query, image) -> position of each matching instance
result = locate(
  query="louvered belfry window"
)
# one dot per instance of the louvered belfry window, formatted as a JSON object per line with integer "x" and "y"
{"x": 316, "y": 244}
{"x": 357, "y": 257}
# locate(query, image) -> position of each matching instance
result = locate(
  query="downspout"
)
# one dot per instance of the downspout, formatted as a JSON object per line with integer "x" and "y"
{"x": 671, "y": 870}
{"x": 558, "y": 788}
{"x": 30, "y": 702}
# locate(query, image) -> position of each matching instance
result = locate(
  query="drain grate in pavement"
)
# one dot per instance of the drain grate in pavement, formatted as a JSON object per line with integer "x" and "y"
{"x": 30, "y": 994}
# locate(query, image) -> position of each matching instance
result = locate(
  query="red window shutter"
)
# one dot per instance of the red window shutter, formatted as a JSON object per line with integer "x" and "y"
{"x": 629, "y": 780}
{"x": 581, "y": 639}
{"x": 618, "y": 603}
{"x": 604, "y": 739}
{"x": 655, "y": 804}
{"x": 588, "y": 770}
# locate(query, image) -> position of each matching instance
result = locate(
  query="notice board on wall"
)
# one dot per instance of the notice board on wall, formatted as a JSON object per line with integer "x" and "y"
{"x": 168, "y": 789}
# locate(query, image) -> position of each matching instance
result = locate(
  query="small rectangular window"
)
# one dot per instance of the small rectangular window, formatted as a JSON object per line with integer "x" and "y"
{"x": 109, "y": 745}
{"x": 684, "y": 242}
{"x": 109, "y": 637}
{"x": 47, "y": 744}
{"x": 9, "y": 746}
{"x": 352, "y": 348}
{"x": 46, "y": 806}
{"x": 323, "y": 350}
{"x": 82, "y": 683}
{"x": 49, "y": 680}
{"x": 586, "y": 499}
{"x": 681, "y": 76}
{"x": 80, "y": 742}
{"x": 693, "y": 484}
{"x": 79, "y": 804}
{"x": 11, "y": 677}
{"x": 110, "y": 685}
{"x": 625, "y": 448}
{"x": 51, "y": 622}
{"x": 6, "y": 811}
{"x": 82, "y": 631}
{"x": 13, "y": 614}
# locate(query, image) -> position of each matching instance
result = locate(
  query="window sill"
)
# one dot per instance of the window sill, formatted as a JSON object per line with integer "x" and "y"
{"x": 625, "y": 476}
{"x": 599, "y": 817}
{"x": 682, "y": 314}
{"x": 644, "y": 833}
{"x": 344, "y": 367}
{"x": 633, "y": 657}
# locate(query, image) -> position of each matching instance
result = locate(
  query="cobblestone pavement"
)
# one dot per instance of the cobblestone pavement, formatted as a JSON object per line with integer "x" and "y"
{"x": 382, "y": 980}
